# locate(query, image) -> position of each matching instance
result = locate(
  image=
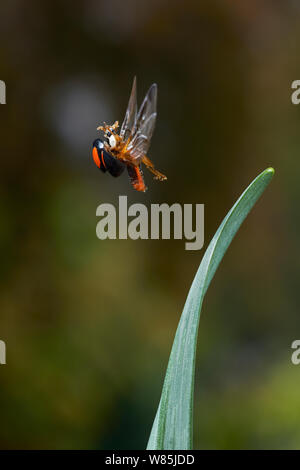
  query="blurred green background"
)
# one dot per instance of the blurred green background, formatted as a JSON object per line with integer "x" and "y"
{"x": 89, "y": 324}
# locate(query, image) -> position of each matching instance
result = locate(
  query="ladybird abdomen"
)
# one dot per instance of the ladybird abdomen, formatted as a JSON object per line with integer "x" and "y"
{"x": 113, "y": 166}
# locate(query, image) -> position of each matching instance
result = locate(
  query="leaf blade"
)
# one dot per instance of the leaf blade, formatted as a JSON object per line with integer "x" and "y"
{"x": 172, "y": 427}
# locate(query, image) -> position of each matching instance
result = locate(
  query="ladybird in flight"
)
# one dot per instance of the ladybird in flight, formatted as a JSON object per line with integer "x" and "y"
{"x": 128, "y": 148}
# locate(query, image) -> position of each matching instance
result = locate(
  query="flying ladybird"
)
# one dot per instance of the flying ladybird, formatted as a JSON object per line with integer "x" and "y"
{"x": 129, "y": 148}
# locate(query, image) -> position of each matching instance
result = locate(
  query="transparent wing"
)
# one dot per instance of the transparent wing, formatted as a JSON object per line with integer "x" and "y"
{"x": 144, "y": 125}
{"x": 130, "y": 115}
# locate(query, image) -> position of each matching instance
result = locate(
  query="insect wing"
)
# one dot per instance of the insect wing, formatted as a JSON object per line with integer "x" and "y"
{"x": 130, "y": 115}
{"x": 144, "y": 125}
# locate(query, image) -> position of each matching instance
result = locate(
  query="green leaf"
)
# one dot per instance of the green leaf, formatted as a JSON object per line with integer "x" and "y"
{"x": 173, "y": 424}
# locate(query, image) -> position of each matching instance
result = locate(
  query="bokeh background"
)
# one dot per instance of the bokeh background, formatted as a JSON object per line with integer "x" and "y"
{"x": 89, "y": 324}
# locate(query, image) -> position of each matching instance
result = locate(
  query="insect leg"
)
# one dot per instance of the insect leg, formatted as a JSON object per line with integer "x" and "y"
{"x": 136, "y": 177}
{"x": 158, "y": 175}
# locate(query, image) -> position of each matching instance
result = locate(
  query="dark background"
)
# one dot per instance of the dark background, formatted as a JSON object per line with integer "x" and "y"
{"x": 89, "y": 324}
